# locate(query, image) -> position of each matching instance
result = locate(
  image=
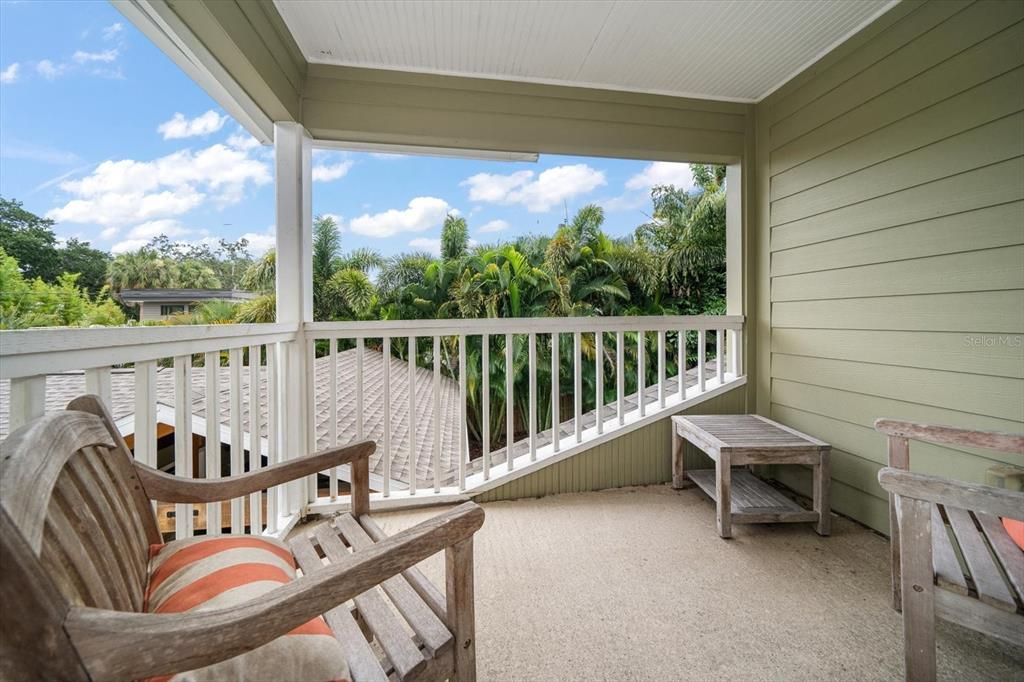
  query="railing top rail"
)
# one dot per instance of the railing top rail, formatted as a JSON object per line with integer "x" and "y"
{"x": 520, "y": 325}
{"x": 45, "y": 351}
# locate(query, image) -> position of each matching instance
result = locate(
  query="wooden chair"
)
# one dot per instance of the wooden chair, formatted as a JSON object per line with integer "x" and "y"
{"x": 76, "y": 522}
{"x": 951, "y": 556}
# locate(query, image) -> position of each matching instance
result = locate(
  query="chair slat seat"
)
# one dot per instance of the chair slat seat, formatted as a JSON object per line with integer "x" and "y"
{"x": 988, "y": 581}
{"x": 948, "y": 572}
{"x": 412, "y": 637}
{"x": 1009, "y": 555}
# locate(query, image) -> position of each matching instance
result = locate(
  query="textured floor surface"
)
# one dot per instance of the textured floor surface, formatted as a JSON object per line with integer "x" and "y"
{"x": 635, "y": 584}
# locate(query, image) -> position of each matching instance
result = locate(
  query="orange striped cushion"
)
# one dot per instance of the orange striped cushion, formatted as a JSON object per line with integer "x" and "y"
{"x": 207, "y": 573}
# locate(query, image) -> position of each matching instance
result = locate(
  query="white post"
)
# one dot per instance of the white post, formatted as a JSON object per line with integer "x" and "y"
{"x": 145, "y": 412}
{"x": 235, "y": 402}
{"x": 412, "y": 414}
{"x": 641, "y": 398}
{"x": 211, "y": 362}
{"x": 332, "y": 411}
{"x": 661, "y": 369}
{"x": 255, "y": 446}
{"x": 387, "y": 416}
{"x": 28, "y": 400}
{"x": 97, "y": 382}
{"x": 620, "y": 377}
{"x": 577, "y": 369}
{"x": 532, "y": 428}
{"x": 436, "y": 454}
{"x": 293, "y": 149}
{"x": 681, "y": 369}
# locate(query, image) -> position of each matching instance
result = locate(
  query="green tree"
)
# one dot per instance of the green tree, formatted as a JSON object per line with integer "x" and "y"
{"x": 30, "y": 240}
{"x": 91, "y": 264}
{"x": 454, "y": 237}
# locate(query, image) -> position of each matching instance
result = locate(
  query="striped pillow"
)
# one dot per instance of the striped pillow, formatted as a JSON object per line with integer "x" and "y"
{"x": 207, "y": 573}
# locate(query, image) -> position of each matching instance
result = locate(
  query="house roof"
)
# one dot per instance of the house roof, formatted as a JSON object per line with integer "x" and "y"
{"x": 62, "y": 388}
{"x": 130, "y": 296}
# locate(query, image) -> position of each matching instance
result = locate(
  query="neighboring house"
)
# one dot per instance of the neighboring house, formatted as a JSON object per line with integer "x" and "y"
{"x": 159, "y": 304}
{"x": 61, "y": 388}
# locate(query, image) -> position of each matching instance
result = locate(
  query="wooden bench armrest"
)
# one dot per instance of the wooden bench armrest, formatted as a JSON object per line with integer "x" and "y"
{"x": 951, "y": 435}
{"x": 116, "y": 645}
{"x": 972, "y": 496}
{"x": 168, "y": 488}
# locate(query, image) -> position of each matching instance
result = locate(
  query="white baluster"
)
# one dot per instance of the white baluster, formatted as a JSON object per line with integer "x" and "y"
{"x": 360, "y": 408}
{"x": 485, "y": 368}
{"x": 463, "y": 425}
{"x": 510, "y": 426}
{"x": 273, "y": 451}
{"x": 681, "y": 373}
{"x": 237, "y": 504}
{"x": 214, "y": 522}
{"x": 412, "y": 414}
{"x": 311, "y": 410}
{"x": 661, "y": 368}
{"x": 719, "y": 349}
{"x": 436, "y": 454}
{"x": 97, "y": 382}
{"x": 556, "y": 430}
{"x": 641, "y": 383}
{"x": 599, "y": 380}
{"x": 255, "y": 438}
{"x": 736, "y": 358}
{"x": 28, "y": 402}
{"x": 183, "y": 439}
{"x": 145, "y": 412}
{"x": 532, "y": 433}
{"x": 701, "y": 357}
{"x": 332, "y": 414}
{"x": 386, "y": 454}
{"x": 620, "y": 377}
{"x": 577, "y": 363}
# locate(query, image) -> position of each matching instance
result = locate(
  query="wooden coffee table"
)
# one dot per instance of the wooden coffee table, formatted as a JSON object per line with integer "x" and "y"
{"x": 736, "y": 440}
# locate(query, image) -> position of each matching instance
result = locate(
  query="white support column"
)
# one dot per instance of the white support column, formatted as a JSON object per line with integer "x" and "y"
{"x": 734, "y": 265}
{"x": 293, "y": 150}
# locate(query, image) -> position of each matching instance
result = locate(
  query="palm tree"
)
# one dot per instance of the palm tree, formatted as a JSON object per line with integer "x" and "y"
{"x": 261, "y": 275}
{"x": 454, "y": 237}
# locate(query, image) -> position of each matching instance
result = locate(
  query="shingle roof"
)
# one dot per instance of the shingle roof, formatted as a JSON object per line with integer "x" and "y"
{"x": 62, "y": 388}
{"x": 183, "y": 295}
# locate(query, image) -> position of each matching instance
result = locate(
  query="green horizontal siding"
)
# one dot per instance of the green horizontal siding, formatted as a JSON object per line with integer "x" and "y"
{"x": 641, "y": 457}
{"x": 895, "y": 215}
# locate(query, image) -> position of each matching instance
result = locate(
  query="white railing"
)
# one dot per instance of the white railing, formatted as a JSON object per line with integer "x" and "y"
{"x": 440, "y": 421}
{"x": 529, "y": 362}
{"x": 217, "y": 382}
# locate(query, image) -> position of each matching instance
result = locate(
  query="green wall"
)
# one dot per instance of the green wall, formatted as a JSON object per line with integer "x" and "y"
{"x": 891, "y": 230}
{"x": 641, "y": 457}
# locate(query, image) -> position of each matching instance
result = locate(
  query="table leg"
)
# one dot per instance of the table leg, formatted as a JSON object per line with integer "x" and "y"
{"x": 723, "y": 491}
{"x": 822, "y": 504}
{"x": 679, "y": 479}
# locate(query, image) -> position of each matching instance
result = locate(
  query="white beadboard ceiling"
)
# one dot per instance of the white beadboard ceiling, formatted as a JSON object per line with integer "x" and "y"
{"x": 738, "y": 50}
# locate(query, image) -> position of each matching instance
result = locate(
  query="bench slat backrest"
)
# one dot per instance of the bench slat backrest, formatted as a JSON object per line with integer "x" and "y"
{"x": 67, "y": 483}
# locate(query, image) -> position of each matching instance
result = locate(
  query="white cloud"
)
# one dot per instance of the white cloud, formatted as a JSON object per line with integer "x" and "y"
{"x": 260, "y": 243}
{"x": 111, "y": 32}
{"x": 431, "y": 246}
{"x": 10, "y": 74}
{"x": 49, "y": 70}
{"x": 336, "y": 218}
{"x": 179, "y": 126}
{"x": 154, "y": 228}
{"x": 109, "y": 233}
{"x": 662, "y": 173}
{"x": 329, "y": 172}
{"x": 243, "y": 141}
{"x": 494, "y": 226}
{"x": 548, "y": 190}
{"x": 422, "y": 214}
{"x": 127, "y": 191}
{"x": 128, "y": 245}
{"x": 106, "y": 56}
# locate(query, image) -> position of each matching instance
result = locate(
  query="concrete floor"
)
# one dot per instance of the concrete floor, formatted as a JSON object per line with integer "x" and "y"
{"x": 635, "y": 584}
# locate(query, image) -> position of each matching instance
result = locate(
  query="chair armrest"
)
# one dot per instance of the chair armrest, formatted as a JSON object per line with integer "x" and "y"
{"x": 167, "y": 488}
{"x": 115, "y": 645}
{"x": 973, "y": 496}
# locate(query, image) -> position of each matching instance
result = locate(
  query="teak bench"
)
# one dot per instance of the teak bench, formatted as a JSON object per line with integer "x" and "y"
{"x": 951, "y": 556}
{"x": 735, "y": 440}
{"x": 76, "y": 524}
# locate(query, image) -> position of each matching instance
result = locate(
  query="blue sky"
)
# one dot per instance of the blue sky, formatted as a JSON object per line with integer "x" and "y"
{"x": 100, "y": 131}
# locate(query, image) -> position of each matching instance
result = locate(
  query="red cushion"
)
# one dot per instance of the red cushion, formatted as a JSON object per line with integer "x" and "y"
{"x": 208, "y": 573}
{"x": 1015, "y": 529}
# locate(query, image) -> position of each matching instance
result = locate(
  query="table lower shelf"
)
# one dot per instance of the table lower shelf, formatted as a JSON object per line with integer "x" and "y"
{"x": 753, "y": 500}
